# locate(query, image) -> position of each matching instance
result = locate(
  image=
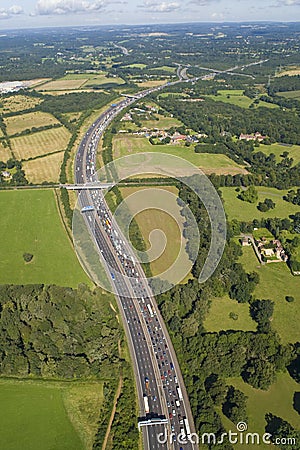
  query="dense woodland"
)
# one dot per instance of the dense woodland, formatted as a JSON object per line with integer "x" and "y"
{"x": 56, "y": 332}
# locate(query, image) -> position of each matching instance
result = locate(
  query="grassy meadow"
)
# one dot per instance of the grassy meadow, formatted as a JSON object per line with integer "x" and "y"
{"x": 233, "y": 96}
{"x": 277, "y": 149}
{"x": 19, "y": 123}
{"x": 30, "y": 223}
{"x": 44, "y": 169}
{"x": 73, "y": 82}
{"x": 16, "y": 103}
{"x": 48, "y": 415}
{"x": 128, "y": 144}
{"x": 278, "y": 400}
{"x": 40, "y": 143}
{"x": 151, "y": 219}
{"x": 290, "y": 94}
{"x": 240, "y": 210}
{"x": 219, "y": 319}
{"x": 236, "y": 97}
{"x": 5, "y": 152}
{"x": 277, "y": 282}
{"x": 62, "y": 85}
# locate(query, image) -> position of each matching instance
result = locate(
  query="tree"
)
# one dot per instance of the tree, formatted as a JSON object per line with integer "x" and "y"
{"x": 27, "y": 257}
{"x": 216, "y": 388}
{"x": 266, "y": 205}
{"x": 261, "y": 311}
{"x": 235, "y": 405}
{"x": 282, "y": 430}
{"x": 249, "y": 195}
{"x": 259, "y": 373}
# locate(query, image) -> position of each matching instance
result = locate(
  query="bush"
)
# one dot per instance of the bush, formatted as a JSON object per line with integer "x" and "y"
{"x": 27, "y": 257}
{"x": 233, "y": 316}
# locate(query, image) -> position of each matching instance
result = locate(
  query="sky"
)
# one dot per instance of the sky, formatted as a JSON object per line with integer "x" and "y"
{"x": 45, "y": 13}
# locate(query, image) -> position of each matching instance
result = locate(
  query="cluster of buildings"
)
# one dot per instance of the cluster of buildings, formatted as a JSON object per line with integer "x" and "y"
{"x": 269, "y": 250}
{"x": 252, "y": 137}
{"x": 157, "y": 133}
{"x": 12, "y": 86}
{"x": 273, "y": 250}
{"x": 5, "y": 174}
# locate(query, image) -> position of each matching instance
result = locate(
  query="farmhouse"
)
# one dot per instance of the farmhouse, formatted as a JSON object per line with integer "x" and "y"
{"x": 252, "y": 137}
{"x": 126, "y": 118}
{"x": 271, "y": 251}
{"x": 245, "y": 241}
{"x": 6, "y": 174}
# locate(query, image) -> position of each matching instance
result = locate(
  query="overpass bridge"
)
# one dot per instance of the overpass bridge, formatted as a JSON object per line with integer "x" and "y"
{"x": 87, "y": 186}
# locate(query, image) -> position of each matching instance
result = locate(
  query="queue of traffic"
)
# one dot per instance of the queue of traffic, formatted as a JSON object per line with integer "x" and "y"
{"x": 147, "y": 322}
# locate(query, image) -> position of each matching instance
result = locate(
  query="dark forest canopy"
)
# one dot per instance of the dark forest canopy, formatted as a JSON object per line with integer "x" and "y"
{"x": 57, "y": 332}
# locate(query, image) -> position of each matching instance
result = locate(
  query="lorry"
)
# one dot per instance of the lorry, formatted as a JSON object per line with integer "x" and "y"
{"x": 146, "y": 403}
{"x": 150, "y": 310}
{"x": 179, "y": 393}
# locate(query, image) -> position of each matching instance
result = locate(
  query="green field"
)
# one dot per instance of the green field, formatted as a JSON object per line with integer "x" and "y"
{"x": 164, "y": 69}
{"x": 15, "y": 103}
{"x": 79, "y": 81}
{"x": 233, "y": 96}
{"x": 240, "y": 210}
{"x": 19, "y": 123}
{"x": 236, "y": 97}
{"x": 162, "y": 124}
{"x": 277, "y": 149}
{"x": 136, "y": 66}
{"x": 218, "y": 317}
{"x": 48, "y": 415}
{"x": 275, "y": 283}
{"x": 165, "y": 218}
{"x": 44, "y": 169}
{"x": 290, "y": 94}
{"x": 40, "y": 143}
{"x": 277, "y": 400}
{"x": 127, "y": 144}
{"x": 30, "y": 223}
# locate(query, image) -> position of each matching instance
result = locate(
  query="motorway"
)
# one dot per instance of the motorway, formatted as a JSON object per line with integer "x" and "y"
{"x": 161, "y": 390}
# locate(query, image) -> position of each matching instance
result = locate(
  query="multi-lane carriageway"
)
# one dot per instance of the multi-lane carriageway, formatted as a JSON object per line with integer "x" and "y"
{"x": 158, "y": 376}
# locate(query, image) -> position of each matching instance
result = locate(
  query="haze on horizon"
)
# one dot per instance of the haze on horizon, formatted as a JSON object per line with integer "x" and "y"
{"x": 51, "y": 13}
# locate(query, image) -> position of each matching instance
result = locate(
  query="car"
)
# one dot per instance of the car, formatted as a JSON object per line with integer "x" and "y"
{"x": 174, "y": 412}
{"x": 170, "y": 415}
